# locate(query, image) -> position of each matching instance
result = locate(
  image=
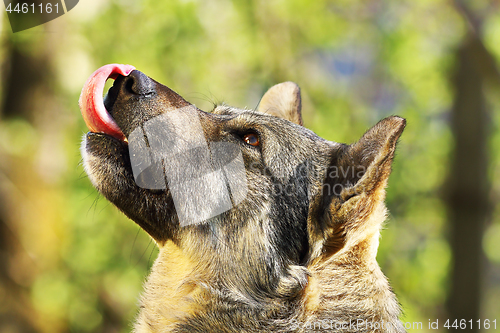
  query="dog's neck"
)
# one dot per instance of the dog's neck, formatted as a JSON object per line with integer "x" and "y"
{"x": 170, "y": 293}
{"x": 346, "y": 279}
{"x": 349, "y": 287}
{"x": 178, "y": 295}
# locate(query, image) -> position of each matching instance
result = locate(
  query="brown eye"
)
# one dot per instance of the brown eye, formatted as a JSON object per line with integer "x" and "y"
{"x": 251, "y": 139}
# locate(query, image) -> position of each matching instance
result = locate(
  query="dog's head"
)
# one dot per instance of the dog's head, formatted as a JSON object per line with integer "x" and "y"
{"x": 252, "y": 194}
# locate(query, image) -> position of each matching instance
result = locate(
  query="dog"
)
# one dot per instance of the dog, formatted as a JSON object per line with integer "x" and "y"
{"x": 262, "y": 226}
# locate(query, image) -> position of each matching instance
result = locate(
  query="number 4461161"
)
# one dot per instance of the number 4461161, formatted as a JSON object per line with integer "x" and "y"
{"x": 470, "y": 324}
{"x": 31, "y": 8}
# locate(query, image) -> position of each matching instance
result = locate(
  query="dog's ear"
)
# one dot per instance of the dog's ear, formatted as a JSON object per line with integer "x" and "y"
{"x": 355, "y": 184}
{"x": 283, "y": 100}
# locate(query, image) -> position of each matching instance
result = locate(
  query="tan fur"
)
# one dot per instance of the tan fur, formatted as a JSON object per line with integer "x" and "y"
{"x": 171, "y": 292}
{"x": 276, "y": 261}
{"x": 283, "y": 100}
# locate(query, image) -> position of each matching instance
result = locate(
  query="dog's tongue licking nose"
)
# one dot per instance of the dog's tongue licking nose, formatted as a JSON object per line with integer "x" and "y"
{"x": 91, "y": 102}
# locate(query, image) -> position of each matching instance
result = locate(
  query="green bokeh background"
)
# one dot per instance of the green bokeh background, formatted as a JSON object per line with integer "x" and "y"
{"x": 80, "y": 263}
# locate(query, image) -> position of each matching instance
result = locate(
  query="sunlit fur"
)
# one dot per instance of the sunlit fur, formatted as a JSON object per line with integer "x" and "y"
{"x": 300, "y": 261}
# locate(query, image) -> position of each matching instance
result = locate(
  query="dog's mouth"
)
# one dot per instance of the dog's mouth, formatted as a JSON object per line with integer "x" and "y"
{"x": 96, "y": 111}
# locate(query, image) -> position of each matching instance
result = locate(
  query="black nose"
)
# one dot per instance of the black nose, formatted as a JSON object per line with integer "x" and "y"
{"x": 138, "y": 83}
{"x": 124, "y": 87}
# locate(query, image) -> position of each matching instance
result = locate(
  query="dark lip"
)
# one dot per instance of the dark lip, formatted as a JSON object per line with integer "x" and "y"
{"x": 122, "y": 143}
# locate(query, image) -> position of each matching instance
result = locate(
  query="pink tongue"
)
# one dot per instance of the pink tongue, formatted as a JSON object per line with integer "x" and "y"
{"x": 91, "y": 103}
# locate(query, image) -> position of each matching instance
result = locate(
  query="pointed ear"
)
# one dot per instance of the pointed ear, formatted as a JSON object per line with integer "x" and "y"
{"x": 283, "y": 100}
{"x": 371, "y": 157}
{"x": 356, "y": 180}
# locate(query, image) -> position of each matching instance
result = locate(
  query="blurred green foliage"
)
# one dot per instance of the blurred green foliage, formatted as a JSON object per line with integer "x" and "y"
{"x": 356, "y": 62}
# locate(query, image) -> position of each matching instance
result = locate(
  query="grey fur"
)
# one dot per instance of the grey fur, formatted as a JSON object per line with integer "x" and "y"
{"x": 297, "y": 254}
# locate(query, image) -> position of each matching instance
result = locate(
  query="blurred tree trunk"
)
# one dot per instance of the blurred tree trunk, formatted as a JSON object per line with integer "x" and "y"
{"x": 24, "y": 73}
{"x": 468, "y": 197}
{"x": 28, "y": 82}
{"x": 26, "y": 77}
{"x": 16, "y": 315}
